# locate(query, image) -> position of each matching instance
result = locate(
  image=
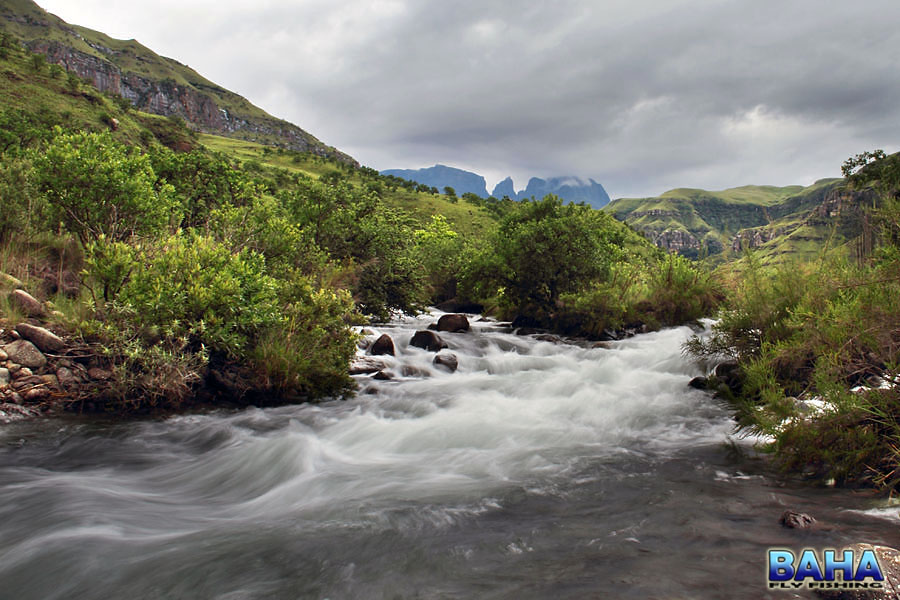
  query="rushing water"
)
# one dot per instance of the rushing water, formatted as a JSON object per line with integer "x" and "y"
{"x": 538, "y": 470}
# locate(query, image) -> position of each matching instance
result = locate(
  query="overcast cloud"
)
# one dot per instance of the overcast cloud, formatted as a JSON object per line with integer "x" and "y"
{"x": 643, "y": 96}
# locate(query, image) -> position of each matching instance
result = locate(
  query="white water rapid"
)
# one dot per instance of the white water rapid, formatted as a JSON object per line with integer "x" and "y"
{"x": 537, "y": 470}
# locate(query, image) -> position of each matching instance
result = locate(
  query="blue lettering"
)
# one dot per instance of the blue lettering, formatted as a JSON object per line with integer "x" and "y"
{"x": 808, "y": 567}
{"x": 781, "y": 565}
{"x": 868, "y": 567}
{"x": 845, "y": 565}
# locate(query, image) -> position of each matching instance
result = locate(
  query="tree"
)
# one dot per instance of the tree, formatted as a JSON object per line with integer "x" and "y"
{"x": 96, "y": 186}
{"x": 544, "y": 248}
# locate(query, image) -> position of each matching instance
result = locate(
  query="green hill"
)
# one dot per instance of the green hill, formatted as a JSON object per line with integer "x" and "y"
{"x": 150, "y": 82}
{"x": 791, "y": 221}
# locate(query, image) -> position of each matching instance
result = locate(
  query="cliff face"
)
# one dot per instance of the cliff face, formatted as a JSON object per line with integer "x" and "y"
{"x": 152, "y": 83}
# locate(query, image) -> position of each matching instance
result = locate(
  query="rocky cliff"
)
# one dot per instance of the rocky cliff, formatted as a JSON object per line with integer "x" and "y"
{"x": 153, "y": 83}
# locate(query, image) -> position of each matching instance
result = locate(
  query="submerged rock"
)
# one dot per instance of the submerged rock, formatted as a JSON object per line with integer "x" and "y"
{"x": 383, "y": 376}
{"x": 446, "y": 361}
{"x": 428, "y": 340}
{"x": 383, "y": 345}
{"x": 795, "y": 520}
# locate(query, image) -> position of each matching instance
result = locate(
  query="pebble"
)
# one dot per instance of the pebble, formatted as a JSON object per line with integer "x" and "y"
{"x": 38, "y": 393}
{"x": 23, "y": 372}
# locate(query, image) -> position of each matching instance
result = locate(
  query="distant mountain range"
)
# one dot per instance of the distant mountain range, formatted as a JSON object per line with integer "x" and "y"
{"x": 570, "y": 189}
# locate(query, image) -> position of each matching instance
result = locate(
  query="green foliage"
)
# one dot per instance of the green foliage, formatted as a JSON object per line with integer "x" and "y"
{"x": 543, "y": 249}
{"x": 308, "y": 352}
{"x": 825, "y": 332}
{"x": 38, "y": 62}
{"x": 192, "y": 287}
{"x": 96, "y": 187}
{"x": 442, "y": 252}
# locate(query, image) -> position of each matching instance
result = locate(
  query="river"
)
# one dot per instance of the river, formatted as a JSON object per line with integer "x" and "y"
{"x": 537, "y": 470}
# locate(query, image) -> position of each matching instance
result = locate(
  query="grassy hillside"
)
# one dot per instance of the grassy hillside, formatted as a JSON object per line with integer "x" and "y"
{"x": 127, "y": 67}
{"x": 779, "y": 221}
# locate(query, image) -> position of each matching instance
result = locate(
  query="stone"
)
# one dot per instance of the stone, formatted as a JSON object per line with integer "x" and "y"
{"x": 13, "y": 367}
{"x": 65, "y": 376}
{"x": 453, "y": 323}
{"x": 446, "y": 361}
{"x": 699, "y": 383}
{"x": 23, "y": 373}
{"x": 99, "y": 374}
{"x": 411, "y": 371}
{"x": 16, "y": 398}
{"x": 49, "y": 380}
{"x": 383, "y": 376}
{"x": 364, "y": 343}
{"x": 27, "y": 303}
{"x": 361, "y": 365}
{"x": 427, "y": 340}
{"x": 549, "y": 337}
{"x": 383, "y": 345}
{"x": 795, "y": 520}
{"x": 44, "y": 339}
{"x": 4, "y": 377}
{"x": 37, "y": 394}
{"x": 25, "y": 353}
{"x": 3, "y": 355}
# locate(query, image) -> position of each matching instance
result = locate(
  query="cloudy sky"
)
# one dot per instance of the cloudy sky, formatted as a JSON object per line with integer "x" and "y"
{"x": 641, "y": 95}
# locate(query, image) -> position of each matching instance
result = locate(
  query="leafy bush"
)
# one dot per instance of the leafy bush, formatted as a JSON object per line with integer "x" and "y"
{"x": 543, "y": 249}
{"x": 192, "y": 287}
{"x": 95, "y": 187}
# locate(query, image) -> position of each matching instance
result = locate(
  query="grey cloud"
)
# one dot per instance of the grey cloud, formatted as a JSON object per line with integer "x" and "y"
{"x": 640, "y": 95}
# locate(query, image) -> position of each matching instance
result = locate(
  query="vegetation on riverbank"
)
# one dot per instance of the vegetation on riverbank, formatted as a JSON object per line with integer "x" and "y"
{"x": 818, "y": 348}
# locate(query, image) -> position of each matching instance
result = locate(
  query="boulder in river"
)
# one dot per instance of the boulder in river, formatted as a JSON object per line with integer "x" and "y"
{"x": 383, "y": 345}
{"x": 44, "y": 339}
{"x": 699, "y": 383}
{"x": 446, "y": 361}
{"x": 427, "y": 340}
{"x": 795, "y": 520}
{"x": 453, "y": 323}
{"x": 363, "y": 365}
{"x": 23, "y": 352}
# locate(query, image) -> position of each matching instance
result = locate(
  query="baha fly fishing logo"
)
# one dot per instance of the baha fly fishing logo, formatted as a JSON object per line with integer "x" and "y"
{"x": 848, "y": 570}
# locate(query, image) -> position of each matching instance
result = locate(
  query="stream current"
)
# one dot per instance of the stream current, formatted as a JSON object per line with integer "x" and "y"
{"x": 537, "y": 470}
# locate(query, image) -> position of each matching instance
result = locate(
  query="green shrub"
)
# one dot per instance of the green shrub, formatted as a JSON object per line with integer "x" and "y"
{"x": 96, "y": 186}
{"x": 192, "y": 287}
